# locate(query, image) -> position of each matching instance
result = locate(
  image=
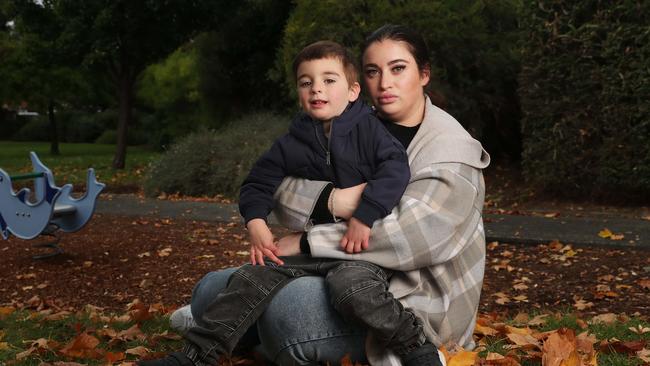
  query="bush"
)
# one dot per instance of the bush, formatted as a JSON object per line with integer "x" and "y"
{"x": 584, "y": 87}
{"x": 33, "y": 129}
{"x": 214, "y": 162}
{"x": 473, "y": 51}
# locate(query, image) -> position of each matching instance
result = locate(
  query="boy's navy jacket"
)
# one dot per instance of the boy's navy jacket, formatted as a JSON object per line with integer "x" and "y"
{"x": 359, "y": 149}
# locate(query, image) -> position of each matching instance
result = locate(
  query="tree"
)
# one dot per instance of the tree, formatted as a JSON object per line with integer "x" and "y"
{"x": 37, "y": 68}
{"x": 120, "y": 38}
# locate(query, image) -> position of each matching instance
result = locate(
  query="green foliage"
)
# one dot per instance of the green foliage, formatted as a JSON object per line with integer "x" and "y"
{"x": 34, "y": 129}
{"x": 473, "y": 52}
{"x": 214, "y": 162}
{"x": 584, "y": 87}
{"x": 171, "y": 82}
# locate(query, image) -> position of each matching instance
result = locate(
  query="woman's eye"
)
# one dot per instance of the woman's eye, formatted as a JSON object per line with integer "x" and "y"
{"x": 398, "y": 68}
{"x": 371, "y": 73}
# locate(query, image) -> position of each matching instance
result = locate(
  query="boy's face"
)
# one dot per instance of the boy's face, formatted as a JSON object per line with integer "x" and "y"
{"x": 323, "y": 90}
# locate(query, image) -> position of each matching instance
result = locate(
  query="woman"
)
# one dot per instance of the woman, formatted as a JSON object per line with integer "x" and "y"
{"x": 433, "y": 239}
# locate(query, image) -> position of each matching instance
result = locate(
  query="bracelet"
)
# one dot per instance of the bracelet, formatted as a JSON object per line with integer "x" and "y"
{"x": 330, "y": 205}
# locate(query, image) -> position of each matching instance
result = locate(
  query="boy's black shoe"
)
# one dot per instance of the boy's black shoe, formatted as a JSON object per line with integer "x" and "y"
{"x": 427, "y": 354}
{"x": 173, "y": 359}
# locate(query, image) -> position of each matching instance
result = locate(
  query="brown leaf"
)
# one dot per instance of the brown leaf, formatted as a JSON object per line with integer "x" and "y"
{"x": 82, "y": 346}
{"x": 139, "y": 351}
{"x": 559, "y": 349}
{"x": 111, "y": 357}
{"x": 628, "y": 347}
{"x": 644, "y": 283}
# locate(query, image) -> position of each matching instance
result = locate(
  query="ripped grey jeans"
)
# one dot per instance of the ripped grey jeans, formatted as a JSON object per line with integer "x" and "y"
{"x": 358, "y": 291}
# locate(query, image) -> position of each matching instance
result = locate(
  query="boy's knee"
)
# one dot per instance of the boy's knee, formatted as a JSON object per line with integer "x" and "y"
{"x": 352, "y": 280}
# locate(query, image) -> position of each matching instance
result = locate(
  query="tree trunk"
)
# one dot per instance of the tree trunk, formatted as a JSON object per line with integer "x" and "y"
{"x": 54, "y": 133}
{"x": 126, "y": 103}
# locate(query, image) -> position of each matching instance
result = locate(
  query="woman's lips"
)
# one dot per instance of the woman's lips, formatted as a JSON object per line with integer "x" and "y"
{"x": 387, "y": 98}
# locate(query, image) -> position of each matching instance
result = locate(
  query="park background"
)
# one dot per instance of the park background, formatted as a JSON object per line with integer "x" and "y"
{"x": 179, "y": 97}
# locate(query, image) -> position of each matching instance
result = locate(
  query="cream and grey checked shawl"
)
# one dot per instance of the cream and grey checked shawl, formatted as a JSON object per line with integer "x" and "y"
{"x": 434, "y": 237}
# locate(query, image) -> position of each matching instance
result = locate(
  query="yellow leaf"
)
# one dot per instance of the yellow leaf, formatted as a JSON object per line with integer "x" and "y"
{"x": 605, "y": 233}
{"x": 463, "y": 358}
{"x": 617, "y": 237}
{"x": 485, "y": 330}
{"x": 4, "y": 346}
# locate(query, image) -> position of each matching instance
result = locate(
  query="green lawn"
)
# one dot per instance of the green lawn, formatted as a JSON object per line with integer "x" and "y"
{"x": 75, "y": 159}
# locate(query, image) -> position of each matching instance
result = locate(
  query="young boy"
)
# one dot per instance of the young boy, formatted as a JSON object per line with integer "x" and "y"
{"x": 337, "y": 139}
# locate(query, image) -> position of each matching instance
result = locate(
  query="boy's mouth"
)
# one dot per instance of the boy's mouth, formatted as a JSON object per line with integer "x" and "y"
{"x": 317, "y": 103}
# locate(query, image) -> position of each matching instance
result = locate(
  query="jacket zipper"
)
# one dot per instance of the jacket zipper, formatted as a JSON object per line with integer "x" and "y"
{"x": 328, "y": 159}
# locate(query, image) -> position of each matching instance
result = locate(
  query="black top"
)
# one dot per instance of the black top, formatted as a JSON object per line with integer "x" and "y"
{"x": 403, "y": 134}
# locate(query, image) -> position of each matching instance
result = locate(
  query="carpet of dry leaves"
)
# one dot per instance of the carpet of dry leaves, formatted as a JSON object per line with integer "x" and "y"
{"x": 117, "y": 261}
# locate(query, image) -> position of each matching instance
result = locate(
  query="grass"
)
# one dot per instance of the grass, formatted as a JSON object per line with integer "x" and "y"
{"x": 20, "y": 327}
{"x": 71, "y": 166}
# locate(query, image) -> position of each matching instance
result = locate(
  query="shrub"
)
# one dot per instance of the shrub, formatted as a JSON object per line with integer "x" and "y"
{"x": 134, "y": 137}
{"x": 214, "y": 162}
{"x": 34, "y": 129}
{"x": 584, "y": 87}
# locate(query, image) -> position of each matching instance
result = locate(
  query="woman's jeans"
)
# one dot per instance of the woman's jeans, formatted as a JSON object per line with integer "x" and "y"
{"x": 299, "y": 325}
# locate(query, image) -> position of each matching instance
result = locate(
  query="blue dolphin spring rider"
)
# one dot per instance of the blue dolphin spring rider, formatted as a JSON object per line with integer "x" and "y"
{"x": 52, "y": 208}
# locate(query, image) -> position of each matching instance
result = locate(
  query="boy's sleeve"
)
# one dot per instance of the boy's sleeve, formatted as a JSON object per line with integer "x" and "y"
{"x": 257, "y": 190}
{"x": 389, "y": 179}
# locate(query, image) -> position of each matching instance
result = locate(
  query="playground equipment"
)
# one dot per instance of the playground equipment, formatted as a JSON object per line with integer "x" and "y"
{"x": 52, "y": 208}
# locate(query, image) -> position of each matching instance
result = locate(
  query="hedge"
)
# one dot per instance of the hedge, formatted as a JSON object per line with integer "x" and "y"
{"x": 585, "y": 95}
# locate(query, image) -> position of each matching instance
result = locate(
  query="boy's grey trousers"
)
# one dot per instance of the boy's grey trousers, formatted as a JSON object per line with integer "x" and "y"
{"x": 358, "y": 291}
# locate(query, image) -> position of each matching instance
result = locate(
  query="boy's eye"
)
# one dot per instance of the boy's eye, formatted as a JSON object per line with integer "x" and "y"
{"x": 329, "y": 81}
{"x": 304, "y": 84}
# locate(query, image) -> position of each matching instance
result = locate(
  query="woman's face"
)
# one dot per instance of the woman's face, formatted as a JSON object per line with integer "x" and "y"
{"x": 394, "y": 82}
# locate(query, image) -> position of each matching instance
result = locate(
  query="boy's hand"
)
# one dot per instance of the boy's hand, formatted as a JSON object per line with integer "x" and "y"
{"x": 261, "y": 242}
{"x": 356, "y": 238}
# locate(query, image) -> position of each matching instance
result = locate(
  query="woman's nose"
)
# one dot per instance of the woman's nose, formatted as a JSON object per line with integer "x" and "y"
{"x": 385, "y": 81}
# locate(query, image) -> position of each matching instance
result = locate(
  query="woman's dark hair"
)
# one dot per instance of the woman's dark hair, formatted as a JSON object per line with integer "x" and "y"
{"x": 413, "y": 40}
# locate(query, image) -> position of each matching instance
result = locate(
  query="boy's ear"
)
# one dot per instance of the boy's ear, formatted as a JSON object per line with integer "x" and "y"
{"x": 354, "y": 91}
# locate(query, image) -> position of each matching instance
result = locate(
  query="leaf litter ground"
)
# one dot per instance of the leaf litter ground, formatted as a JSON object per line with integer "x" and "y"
{"x": 117, "y": 259}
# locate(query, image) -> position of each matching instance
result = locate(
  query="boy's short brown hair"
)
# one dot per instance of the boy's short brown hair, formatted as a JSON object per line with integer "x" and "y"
{"x": 328, "y": 49}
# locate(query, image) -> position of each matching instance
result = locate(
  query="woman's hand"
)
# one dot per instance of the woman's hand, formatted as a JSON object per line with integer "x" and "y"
{"x": 289, "y": 245}
{"x": 346, "y": 200}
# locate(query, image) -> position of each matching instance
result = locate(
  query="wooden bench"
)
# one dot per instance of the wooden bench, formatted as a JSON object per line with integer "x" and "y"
{"x": 51, "y": 208}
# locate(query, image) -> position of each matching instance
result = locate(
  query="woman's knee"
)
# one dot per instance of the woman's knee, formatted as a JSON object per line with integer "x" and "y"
{"x": 300, "y": 327}
{"x": 207, "y": 288}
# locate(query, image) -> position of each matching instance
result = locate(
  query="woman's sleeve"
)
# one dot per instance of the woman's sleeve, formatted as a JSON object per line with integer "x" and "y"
{"x": 439, "y": 214}
{"x": 295, "y": 201}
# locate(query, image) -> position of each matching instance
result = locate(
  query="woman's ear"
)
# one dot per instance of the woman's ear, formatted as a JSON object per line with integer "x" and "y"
{"x": 353, "y": 92}
{"x": 425, "y": 75}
